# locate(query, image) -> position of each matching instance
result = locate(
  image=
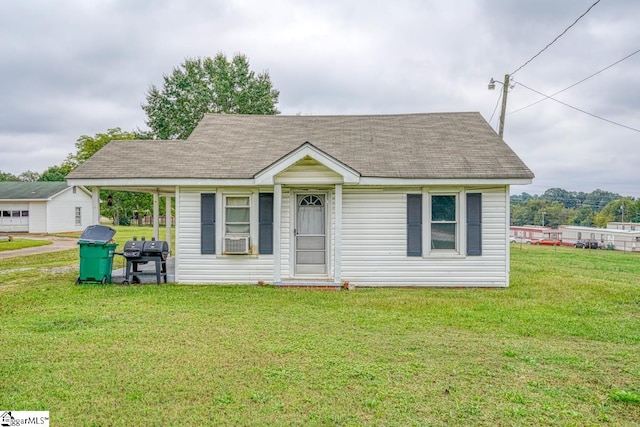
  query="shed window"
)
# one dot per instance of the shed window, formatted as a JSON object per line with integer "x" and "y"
{"x": 78, "y": 215}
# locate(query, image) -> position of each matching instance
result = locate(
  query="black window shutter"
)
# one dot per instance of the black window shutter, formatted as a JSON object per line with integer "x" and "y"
{"x": 208, "y": 223}
{"x": 474, "y": 224}
{"x": 265, "y": 220}
{"x": 414, "y": 224}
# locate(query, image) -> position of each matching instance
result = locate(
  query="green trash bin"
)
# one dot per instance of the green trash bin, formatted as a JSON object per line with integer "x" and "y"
{"x": 96, "y": 254}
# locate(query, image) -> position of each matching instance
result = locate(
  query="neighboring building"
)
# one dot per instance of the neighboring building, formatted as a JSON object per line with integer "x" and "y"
{"x": 390, "y": 200}
{"x": 611, "y": 237}
{"x": 529, "y": 231}
{"x": 534, "y": 234}
{"x": 632, "y": 226}
{"x": 44, "y": 207}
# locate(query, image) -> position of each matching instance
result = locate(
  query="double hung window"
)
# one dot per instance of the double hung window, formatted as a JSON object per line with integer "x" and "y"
{"x": 444, "y": 222}
{"x": 234, "y": 212}
{"x": 237, "y": 216}
{"x": 448, "y": 227}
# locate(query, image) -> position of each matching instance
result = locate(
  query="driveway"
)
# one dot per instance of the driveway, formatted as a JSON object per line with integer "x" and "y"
{"x": 58, "y": 244}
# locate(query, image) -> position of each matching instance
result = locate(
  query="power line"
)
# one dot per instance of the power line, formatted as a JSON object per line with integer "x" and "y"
{"x": 554, "y": 40}
{"x": 496, "y": 107}
{"x": 575, "y": 84}
{"x": 578, "y": 109}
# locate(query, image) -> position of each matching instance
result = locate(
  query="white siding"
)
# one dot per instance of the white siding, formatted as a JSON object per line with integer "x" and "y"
{"x": 38, "y": 217}
{"x": 374, "y": 244}
{"x": 374, "y": 251}
{"x": 194, "y": 267}
{"x": 286, "y": 236}
{"x": 61, "y": 211}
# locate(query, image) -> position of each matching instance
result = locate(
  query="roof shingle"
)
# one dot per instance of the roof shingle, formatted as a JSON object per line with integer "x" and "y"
{"x": 30, "y": 190}
{"x": 439, "y": 146}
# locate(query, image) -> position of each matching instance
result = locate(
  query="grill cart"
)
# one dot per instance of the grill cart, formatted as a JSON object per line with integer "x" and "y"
{"x": 96, "y": 254}
{"x": 141, "y": 252}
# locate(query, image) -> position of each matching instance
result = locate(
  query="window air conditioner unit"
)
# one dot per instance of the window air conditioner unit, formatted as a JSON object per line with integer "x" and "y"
{"x": 236, "y": 245}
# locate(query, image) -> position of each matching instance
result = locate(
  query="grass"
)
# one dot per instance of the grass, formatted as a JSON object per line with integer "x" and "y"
{"x": 18, "y": 243}
{"x": 559, "y": 347}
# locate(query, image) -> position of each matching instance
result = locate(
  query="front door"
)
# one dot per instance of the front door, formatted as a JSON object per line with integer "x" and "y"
{"x": 310, "y": 235}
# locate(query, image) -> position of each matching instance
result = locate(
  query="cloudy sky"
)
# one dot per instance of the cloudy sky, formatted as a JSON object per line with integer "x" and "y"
{"x": 75, "y": 67}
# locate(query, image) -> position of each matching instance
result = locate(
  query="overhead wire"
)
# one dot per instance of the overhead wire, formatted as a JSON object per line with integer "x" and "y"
{"x": 579, "y": 109}
{"x": 496, "y": 107}
{"x": 575, "y": 84}
{"x": 554, "y": 40}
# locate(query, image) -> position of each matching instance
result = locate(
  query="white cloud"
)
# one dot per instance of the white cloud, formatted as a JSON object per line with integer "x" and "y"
{"x": 75, "y": 67}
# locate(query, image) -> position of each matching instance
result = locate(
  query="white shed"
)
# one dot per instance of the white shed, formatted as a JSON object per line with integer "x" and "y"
{"x": 43, "y": 207}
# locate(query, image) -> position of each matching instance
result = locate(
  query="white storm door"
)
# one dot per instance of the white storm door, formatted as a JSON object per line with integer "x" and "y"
{"x": 310, "y": 234}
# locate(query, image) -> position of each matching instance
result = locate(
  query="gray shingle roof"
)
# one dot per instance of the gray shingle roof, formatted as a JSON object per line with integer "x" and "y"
{"x": 30, "y": 190}
{"x": 439, "y": 145}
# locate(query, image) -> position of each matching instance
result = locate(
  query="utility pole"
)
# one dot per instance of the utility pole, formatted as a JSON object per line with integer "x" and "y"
{"x": 505, "y": 91}
{"x": 622, "y": 209}
{"x": 543, "y": 213}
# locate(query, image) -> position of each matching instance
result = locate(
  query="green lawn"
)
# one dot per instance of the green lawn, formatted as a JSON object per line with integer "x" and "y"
{"x": 561, "y": 346}
{"x": 18, "y": 243}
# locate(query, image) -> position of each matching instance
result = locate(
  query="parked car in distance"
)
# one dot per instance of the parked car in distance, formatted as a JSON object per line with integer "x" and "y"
{"x": 547, "y": 241}
{"x": 591, "y": 244}
{"x": 580, "y": 243}
{"x": 518, "y": 239}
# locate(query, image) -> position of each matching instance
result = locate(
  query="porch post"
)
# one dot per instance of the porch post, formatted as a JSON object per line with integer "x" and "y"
{"x": 337, "y": 265}
{"x": 168, "y": 219}
{"x": 95, "y": 205}
{"x": 277, "y": 219}
{"x": 156, "y": 214}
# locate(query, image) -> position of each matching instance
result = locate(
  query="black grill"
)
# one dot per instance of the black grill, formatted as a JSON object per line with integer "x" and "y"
{"x": 141, "y": 252}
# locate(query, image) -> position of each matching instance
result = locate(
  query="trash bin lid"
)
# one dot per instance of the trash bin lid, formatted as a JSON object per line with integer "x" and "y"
{"x": 97, "y": 234}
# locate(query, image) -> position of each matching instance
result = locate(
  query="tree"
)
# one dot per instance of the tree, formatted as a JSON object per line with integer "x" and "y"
{"x": 29, "y": 176}
{"x": 6, "y": 176}
{"x": 124, "y": 203}
{"x": 614, "y": 212}
{"x": 87, "y": 146}
{"x": 207, "y": 85}
{"x": 584, "y": 216}
{"x": 567, "y": 198}
{"x": 540, "y": 212}
{"x": 598, "y": 199}
{"x": 56, "y": 173}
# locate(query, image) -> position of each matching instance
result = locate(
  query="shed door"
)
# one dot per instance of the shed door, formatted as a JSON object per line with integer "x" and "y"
{"x": 310, "y": 235}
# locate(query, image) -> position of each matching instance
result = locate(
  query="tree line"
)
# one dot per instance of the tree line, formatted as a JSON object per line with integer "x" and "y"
{"x": 557, "y": 206}
{"x": 194, "y": 88}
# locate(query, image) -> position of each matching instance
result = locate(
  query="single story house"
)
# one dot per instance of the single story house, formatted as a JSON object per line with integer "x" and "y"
{"x": 44, "y": 207}
{"x": 529, "y": 231}
{"x": 373, "y": 200}
{"x": 632, "y": 226}
{"x": 619, "y": 239}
